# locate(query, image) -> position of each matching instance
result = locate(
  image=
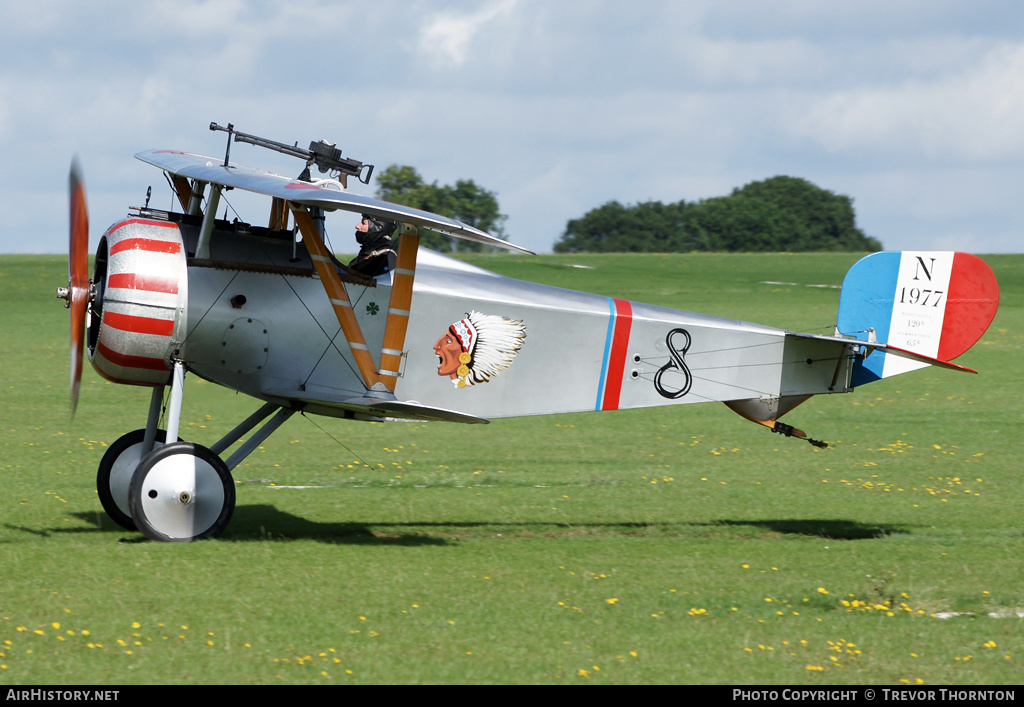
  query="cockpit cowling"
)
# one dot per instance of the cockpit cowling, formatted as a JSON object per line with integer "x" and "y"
{"x": 137, "y": 318}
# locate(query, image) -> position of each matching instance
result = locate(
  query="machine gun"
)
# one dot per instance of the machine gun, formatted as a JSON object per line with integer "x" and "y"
{"x": 325, "y": 155}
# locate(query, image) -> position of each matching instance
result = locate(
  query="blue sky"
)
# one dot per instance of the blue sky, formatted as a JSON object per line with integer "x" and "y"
{"x": 914, "y": 109}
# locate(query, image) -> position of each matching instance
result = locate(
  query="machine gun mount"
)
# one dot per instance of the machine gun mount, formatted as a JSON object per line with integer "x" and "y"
{"x": 325, "y": 155}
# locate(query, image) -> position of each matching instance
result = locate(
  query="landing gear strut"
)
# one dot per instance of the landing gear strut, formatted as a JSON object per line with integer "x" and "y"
{"x": 115, "y": 474}
{"x": 177, "y": 492}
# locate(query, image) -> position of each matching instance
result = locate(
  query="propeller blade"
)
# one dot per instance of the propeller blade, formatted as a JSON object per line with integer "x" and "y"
{"x": 78, "y": 276}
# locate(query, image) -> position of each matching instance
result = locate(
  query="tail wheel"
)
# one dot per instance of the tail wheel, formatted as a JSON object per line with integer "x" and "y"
{"x": 114, "y": 476}
{"x": 181, "y": 492}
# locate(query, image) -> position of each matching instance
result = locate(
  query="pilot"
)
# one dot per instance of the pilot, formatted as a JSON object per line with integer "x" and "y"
{"x": 377, "y": 251}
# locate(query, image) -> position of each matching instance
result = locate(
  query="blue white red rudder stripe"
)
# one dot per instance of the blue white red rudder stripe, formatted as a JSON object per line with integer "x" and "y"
{"x": 934, "y": 303}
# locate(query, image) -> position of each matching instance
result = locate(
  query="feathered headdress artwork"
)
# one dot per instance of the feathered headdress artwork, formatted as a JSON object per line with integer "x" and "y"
{"x": 489, "y": 343}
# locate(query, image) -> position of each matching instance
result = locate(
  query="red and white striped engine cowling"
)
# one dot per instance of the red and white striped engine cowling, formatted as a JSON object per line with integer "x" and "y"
{"x": 141, "y": 281}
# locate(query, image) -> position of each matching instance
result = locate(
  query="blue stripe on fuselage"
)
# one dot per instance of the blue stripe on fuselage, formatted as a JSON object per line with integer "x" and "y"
{"x": 607, "y": 353}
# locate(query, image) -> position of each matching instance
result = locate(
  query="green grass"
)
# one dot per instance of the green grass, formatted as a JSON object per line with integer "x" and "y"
{"x": 651, "y": 546}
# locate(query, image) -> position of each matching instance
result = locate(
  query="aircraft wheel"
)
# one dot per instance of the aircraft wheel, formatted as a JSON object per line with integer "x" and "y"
{"x": 115, "y": 475}
{"x": 182, "y": 492}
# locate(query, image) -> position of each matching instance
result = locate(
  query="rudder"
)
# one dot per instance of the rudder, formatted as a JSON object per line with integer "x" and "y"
{"x": 934, "y": 303}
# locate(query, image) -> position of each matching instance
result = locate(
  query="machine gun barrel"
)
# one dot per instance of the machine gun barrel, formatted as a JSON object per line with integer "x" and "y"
{"x": 326, "y": 156}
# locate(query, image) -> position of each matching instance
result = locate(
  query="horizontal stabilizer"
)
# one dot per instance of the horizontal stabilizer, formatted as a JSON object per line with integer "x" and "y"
{"x": 927, "y": 360}
{"x": 872, "y": 346}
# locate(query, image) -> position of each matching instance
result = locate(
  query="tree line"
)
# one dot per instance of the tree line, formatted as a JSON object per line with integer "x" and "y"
{"x": 777, "y": 214}
{"x": 465, "y": 201}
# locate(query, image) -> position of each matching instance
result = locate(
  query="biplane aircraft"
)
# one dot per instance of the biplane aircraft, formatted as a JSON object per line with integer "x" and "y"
{"x": 270, "y": 312}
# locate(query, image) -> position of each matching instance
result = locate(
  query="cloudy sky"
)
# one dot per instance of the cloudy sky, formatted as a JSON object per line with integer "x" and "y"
{"x": 915, "y": 109}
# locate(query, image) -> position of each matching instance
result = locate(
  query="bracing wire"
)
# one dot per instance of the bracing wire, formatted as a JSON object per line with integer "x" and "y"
{"x": 338, "y": 441}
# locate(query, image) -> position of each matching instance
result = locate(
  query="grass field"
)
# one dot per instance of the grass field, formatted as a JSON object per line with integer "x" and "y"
{"x": 677, "y": 545}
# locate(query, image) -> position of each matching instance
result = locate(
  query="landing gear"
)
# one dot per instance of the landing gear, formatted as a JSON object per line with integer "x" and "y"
{"x": 177, "y": 492}
{"x": 181, "y": 492}
{"x": 115, "y": 474}
{"x": 122, "y": 459}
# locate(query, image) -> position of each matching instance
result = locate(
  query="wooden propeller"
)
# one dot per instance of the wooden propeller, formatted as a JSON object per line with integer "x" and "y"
{"x": 77, "y": 294}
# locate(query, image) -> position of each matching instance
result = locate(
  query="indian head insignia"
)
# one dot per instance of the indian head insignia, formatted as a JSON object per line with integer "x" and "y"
{"x": 478, "y": 347}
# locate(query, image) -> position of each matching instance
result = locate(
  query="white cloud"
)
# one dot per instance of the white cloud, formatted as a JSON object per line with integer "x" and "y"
{"x": 446, "y": 37}
{"x": 557, "y": 107}
{"x": 973, "y": 114}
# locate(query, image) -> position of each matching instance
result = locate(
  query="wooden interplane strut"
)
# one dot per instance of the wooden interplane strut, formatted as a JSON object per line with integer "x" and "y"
{"x": 386, "y": 376}
{"x": 398, "y": 307}
{"x": 337, "y": 294}
{"x": 183, "y": 189}
{"x": 278, "y": 215}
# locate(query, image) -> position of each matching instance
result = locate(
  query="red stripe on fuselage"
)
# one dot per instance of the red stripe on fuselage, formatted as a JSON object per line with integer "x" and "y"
{"x": 617, "y": 357}
{"x": 138, "y": 325}
{"x": 133, "y": 281}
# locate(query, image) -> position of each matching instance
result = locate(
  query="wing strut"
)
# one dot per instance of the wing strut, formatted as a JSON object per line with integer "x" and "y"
{"x": 397, "y": 324}
{"x": 337, "y": 295}
{"x": 278, "y": 215}
{"x": 398, "y": 306}
{"x": 183, "y": 189}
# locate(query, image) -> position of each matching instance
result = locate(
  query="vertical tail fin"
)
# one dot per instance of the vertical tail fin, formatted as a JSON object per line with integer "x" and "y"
{"x": 933, "y": 303}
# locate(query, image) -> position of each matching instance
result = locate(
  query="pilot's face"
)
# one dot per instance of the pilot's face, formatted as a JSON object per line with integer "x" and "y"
{"x": 363, "y": 226}
{"x": 447, "y": 349}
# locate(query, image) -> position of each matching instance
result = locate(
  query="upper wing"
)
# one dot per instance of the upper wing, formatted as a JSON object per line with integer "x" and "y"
{"x": 209, "y": 169}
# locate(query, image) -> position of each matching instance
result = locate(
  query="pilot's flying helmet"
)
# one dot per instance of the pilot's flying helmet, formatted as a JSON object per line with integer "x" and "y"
{"x": 379, "y": 226}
